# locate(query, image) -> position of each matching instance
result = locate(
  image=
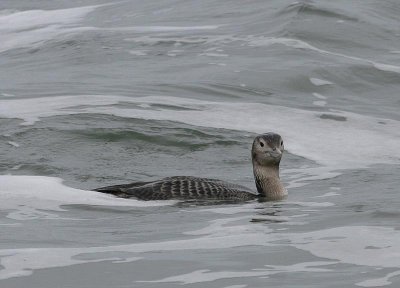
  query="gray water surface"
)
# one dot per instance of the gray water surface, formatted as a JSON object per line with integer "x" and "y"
{"x": 95, "y": 93}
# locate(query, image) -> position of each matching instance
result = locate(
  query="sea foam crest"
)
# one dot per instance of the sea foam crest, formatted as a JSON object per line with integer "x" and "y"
{"x": 369, "y": 246}
{"x": 32, "y": 27}
{"x": 30, "y": 197}
{"x": 335, "y": 139}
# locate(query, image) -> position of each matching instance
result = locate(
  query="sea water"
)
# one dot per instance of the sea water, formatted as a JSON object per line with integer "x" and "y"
{"x": 95, "y": 93}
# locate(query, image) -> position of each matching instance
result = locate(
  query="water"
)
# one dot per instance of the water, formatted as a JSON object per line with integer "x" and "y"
{"x": 94, "y": 93}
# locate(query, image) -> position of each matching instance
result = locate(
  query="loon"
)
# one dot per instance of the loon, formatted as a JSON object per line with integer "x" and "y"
{"x": 266, "y": 154}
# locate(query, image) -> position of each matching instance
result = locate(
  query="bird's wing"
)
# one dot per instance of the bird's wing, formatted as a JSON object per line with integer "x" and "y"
{"x": 180, "y": 187}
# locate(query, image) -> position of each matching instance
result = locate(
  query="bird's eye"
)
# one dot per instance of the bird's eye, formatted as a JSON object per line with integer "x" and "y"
{"x": 261, "y": 144}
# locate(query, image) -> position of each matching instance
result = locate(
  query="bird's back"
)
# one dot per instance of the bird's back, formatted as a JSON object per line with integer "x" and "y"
{"x": 183, "y": 188}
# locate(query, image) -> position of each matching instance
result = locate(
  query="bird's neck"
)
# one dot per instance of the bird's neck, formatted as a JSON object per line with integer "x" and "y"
{"x": 267, "y": 181}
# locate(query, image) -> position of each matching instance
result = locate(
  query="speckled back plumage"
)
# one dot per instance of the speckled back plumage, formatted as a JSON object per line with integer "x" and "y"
{"x": 181, "y": 187}
{"x": 266, "y": 154}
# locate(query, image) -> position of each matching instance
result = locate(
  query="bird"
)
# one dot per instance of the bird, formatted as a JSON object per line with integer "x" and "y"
{"x": 266, "y": 154}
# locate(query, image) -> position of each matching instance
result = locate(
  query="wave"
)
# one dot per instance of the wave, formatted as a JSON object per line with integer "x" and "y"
{"x": 31, "y": 197}
{"x": 371, "y": 246}
{"x": 336, "y": 139}
{"x": 307, "y": 8}
{"x": 32, "y": 28}
{"x": 299, "y": 44}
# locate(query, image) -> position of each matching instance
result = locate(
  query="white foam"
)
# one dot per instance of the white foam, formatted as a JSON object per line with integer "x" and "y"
{"x": 379, "y": 282}
{"x": 145, "y": 106}
{"x": 11, "y": 224}
{"x": 219, "y": 227}
{"x": 30, "y": 197}
{"x": 182, "y": 40}
{"x": 30, "y": 19}
{"x": 138, "y": 52}
{"x": 358, "y": 245}
{"x": 16, "y": 167}
{"x": 328, "y": 194}
{"x": 309, "y": 204}
{"x": 299, "y": 44}
{"x": 46, "y": 107}
{"x": 33, "y": 27}
{"x": 22, "y": 262}
{"x": 295, "y": 43}
{"x": 217, "y": 64}
{"x": 319, "y": 96}
{"x": 213, "y": 55}
{"x": 201, "y": 276}
{"x": 305, "y": 132}
{"x": 14, "y": 144}
{"x": 145, "y": 29}
{"x": 319, "y": 103}
{"x": 231, "y": 210}
{"x": 7, "y": 95}
{"x": 386, "y": 67}
{"x": 299, "y": 177}
{"x": 320, "y": 82}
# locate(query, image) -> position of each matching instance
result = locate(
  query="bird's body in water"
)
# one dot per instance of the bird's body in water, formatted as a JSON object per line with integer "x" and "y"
{"x": 266, "y": 155}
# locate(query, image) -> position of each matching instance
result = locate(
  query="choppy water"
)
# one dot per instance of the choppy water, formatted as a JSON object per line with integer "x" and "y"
{"x": 95, "y": 93}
